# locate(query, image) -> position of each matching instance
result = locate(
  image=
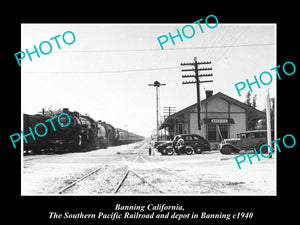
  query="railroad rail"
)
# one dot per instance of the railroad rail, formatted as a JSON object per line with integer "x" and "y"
{"x": 80, "y": 179}
{"x": 122, "y": 173}
{"x": 129, "y": 171}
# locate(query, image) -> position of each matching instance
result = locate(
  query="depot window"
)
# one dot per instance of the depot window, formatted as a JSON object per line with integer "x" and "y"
{"x": 180, "y": 128}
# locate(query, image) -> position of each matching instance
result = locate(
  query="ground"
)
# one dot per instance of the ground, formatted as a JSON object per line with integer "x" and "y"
{"x": 210, "y": 173}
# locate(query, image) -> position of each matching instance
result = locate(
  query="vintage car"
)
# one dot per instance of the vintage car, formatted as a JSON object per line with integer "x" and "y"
{"x": 195, "y": 141}
{"x": 162, "y": 147}
{"x": 247, "y": 140}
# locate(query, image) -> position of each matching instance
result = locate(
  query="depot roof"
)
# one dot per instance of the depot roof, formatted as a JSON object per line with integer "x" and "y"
{"x": 253, "y": 113}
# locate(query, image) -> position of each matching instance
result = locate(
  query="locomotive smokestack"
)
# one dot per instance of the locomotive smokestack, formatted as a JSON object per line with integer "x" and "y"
{"x": 65, "y": 110}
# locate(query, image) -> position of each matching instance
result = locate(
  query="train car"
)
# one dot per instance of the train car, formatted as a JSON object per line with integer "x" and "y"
{"x": 111, "y": 134}
{"x": 125, "y": 137}
{"x": 135, "y": 137}
{"x": 101, "y": 135}
{"x": 39, "y": 144}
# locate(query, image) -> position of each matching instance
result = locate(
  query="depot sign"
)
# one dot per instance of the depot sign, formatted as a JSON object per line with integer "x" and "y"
{"x": 218, "y": 120}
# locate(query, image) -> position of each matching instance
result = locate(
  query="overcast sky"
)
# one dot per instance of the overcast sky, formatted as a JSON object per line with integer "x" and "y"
{"x": 106, "y": 71}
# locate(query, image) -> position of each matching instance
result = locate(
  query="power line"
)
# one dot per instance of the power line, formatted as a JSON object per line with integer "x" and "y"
{"x": 170, "y": 49}
{"x": 114, "y": 71}
{"x": 142, "y": 70}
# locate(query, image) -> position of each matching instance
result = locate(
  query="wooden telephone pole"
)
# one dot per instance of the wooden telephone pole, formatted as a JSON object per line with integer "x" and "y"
{"x": 197, "y": 82}
{"x": 168, "y": 110}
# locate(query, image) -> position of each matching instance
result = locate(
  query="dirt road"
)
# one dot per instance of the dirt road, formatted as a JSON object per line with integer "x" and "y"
{"x": 103, "y": 170}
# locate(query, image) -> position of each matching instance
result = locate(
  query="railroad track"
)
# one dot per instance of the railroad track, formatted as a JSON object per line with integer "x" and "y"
{"x": 128, "y": 173}
{"x": 64, "y": 189}
{"x": 122, "y": 176}
{"x": 131, "y": 170}
{"x": 30, "y": 157}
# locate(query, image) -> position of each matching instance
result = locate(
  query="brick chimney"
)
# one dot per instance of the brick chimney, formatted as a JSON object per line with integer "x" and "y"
{"x": 208, "y": 93}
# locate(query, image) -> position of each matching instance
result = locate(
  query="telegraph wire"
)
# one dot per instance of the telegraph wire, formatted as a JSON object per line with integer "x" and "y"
{"x": 235, "y": 38}
{"x": 144, "y": 70}
{"x": 114, "y": 71}
{"x": 227, "y": 34}
{"x": 169, "y": 49}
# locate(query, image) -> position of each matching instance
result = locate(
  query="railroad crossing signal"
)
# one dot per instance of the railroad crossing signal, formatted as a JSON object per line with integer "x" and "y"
{"x": 157, "y": 84}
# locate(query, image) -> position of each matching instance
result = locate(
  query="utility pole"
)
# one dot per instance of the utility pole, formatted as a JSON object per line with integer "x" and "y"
{"x": 197, "y": 82}
{"x": 168, "y": 110}
{"x": 268, "y": 120}
{"x": 157, "y": 84}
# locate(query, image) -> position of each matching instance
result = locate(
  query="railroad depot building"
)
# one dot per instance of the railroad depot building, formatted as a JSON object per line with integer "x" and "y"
{"x": 219, "y": 113}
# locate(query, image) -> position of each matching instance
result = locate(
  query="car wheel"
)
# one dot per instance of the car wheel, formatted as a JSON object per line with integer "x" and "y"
{"x": 189, "y": 150}
{"x": 169, "y": 151}
{"x": 198, "y": 150}
{"x": 263, "y": 150}
{"x": 226, "y": 150}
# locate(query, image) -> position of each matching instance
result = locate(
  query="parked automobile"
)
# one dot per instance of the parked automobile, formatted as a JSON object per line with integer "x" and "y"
{"x": 181, "y": 149}
{"x": 247, "y": 140}
{"x": 163, "y": 148}
{"x": 193, "y": 142}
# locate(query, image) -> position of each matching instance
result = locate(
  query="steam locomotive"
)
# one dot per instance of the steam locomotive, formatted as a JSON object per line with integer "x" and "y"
{"x": 83, "y": 133}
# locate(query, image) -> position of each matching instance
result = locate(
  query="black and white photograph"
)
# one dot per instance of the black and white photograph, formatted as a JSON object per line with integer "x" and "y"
{"x": 115, "y": 119}
{"x": 148, "y": 109}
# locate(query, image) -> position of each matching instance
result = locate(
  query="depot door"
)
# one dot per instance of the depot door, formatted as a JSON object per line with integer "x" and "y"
{"x": 213, "y": 132}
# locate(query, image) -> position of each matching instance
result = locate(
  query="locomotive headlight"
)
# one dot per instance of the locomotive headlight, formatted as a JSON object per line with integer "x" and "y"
{"x": 64, "y": 120}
